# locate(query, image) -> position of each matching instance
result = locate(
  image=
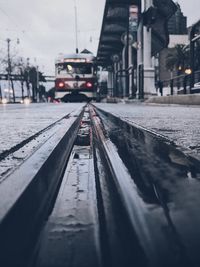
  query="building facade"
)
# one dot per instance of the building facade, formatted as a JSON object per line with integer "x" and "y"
{"x": 177, "y": 27}
{"x": 177, "y": 24}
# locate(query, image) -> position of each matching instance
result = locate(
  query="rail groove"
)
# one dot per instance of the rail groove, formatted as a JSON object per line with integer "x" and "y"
{"x": 107, "y": 193}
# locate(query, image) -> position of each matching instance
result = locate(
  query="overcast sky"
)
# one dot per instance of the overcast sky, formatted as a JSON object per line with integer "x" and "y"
{"x": 46, "y": 27}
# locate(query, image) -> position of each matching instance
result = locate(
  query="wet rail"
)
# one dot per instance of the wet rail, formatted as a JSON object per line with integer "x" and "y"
{"x": 118, "y": 195}
{"x": 26, "y": 194}
{"x": 12, "y": 158}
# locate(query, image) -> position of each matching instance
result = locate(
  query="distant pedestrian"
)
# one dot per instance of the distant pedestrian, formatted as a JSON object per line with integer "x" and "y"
{"x": 160, "y": 86}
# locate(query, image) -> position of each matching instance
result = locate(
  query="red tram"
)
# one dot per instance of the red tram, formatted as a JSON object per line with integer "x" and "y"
{"x": 76, "y": 78}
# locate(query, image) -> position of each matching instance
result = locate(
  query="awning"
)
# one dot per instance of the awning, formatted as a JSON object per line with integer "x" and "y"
{"x": 115, "y": 22}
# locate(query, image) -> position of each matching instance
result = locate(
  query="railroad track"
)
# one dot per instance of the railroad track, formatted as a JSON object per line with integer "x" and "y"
{"x": 12, "y": 158}
{"x": 109, "y": 193}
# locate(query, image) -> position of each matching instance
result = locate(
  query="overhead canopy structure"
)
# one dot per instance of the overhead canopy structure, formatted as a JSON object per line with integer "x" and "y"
{"x": 116, "y": 21}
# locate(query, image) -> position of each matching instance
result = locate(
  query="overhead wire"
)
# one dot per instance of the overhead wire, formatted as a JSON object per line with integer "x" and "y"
{"x": 15, "y": 24}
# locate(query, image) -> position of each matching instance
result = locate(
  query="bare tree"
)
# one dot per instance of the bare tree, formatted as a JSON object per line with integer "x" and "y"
{"x": 8, "y": 62}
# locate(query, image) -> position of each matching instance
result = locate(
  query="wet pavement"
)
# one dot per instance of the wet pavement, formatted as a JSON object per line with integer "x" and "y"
{"x": 25, "y": 128}
{"x": 178, "y": 123}
{"x": 19, "y": 122}
{"x": 152, "y": 211}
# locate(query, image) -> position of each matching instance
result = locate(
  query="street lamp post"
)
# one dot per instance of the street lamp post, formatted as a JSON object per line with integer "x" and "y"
{"x": 10, "y": 69}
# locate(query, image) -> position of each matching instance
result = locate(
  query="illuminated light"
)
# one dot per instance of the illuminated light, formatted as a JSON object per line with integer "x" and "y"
{"x": 75, "y": 60}
{"x": 4, "y": 101}
{"x": 61, "y": 84}
{"x": 27, "y": 101}
{"x": 69, "y": 67}
{"x": 188, "y": 71}
{"x": 89, "y": 84}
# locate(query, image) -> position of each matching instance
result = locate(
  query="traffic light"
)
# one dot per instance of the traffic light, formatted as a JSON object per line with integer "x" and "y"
{"x": 149, "y": 16}
{"x": 156, "y": 17}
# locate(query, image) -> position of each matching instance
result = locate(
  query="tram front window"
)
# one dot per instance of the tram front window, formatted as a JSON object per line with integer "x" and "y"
{"x": 74, "y": 68}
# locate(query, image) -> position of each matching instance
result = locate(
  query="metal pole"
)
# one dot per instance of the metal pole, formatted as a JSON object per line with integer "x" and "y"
{"x": 38, "y": 95}
{"x": 133, "y": 83}
{"x": 22, "y": 82}
{"x": 192, "y": 65}
{"x": 172, "y": 86}
{"x": 28, "y": 78}
{"x": 0, "y": 93}
{"x": 140, "y": 56}
{"x": 185, "y": 85}
{"x": 127, "y": 54}
{"x": 76, "y": 26}
{"x": 10, "y": 69}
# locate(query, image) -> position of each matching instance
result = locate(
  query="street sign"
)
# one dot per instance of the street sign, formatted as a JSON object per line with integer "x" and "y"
{"x": 115, "y": 58}
{"x": 124, "y": 39}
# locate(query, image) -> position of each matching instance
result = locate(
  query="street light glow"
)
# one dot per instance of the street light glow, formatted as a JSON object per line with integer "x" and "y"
{"x": 27, "y": 101}
{"x": 188, "y": 71}
{"x": 4, "y": 101}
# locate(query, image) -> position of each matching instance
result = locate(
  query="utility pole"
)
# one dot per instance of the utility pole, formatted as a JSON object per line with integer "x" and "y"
{"x": 10, "y": 69}
{"x": 76, "y": 26}
{"x": 37, "y": 85}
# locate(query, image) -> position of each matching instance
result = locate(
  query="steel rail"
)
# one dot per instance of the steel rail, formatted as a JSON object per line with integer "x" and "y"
{"x": 73, "y": 226}
{"x": 27, "y": 194}
{"x": 147, "y": 228}
{"x": 150, "y": 180}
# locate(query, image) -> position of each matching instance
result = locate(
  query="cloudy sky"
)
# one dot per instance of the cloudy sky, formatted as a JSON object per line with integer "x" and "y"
{"x": 46, "y": 27}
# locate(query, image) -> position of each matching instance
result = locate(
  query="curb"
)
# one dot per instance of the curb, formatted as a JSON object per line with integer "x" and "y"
{"x": 193, "y": 99}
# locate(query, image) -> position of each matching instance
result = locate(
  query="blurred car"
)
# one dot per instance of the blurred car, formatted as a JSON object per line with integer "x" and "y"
{"x": 196, "y": 88}
{"x": 26, "y": 101}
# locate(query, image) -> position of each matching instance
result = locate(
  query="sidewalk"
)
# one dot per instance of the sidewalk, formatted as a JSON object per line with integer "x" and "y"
{"x": 178, "y": 123}
{"x": 193, "y": 99}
